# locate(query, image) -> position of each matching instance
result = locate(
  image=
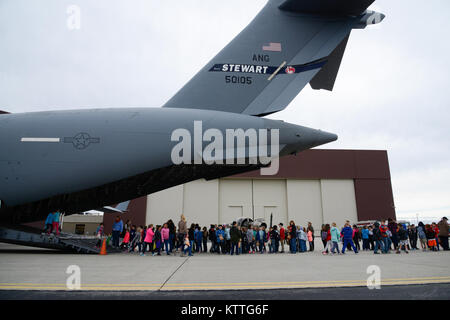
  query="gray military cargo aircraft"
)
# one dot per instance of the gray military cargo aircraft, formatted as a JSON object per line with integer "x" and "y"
{"x": 82, "y": 159}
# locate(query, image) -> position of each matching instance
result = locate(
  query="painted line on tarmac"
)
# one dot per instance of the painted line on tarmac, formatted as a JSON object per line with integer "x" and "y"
{"x": 228, "y": 283}
{"x": 308, "y": 285}
{"x": 170, "y": 277}
{"x": 224, "y": 283}
{"x": 222, "y": 286}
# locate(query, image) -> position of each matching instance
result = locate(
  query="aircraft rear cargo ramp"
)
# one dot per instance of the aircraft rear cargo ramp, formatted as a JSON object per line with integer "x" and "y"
{"x": 32, "y": 237}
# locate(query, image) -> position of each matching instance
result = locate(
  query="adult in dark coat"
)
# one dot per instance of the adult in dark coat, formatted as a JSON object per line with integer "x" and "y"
{"x": 293, "y": 236}
{"x": 443, "y": 232}
{"x": 235, "y": 236}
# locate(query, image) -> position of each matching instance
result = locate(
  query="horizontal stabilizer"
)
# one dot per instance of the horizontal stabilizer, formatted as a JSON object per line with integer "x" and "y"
{"x": 328, "y": 7}
{"x": 120, "y": 208}
{"x": 326, "y": 77}
{"x": 123, "y": 206}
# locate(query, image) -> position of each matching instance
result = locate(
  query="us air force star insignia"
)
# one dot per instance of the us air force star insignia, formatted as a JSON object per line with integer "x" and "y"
{"x": 81, "y": 140}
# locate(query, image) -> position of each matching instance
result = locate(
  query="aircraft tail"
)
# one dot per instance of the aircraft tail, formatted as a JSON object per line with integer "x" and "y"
{"x": 288, "y": 45}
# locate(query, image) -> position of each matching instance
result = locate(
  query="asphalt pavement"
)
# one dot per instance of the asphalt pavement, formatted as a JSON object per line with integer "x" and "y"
{"x": 32, "y": 273}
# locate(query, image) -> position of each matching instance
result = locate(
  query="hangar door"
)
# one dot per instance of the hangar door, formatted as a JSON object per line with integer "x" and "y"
{"x": 235, "y": 199}
{"x": 232, "y": 213}
{"x": 276, "y": 217}
{"x": 270, "y": 198}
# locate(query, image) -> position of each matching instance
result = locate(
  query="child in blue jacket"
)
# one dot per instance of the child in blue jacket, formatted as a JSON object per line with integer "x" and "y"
{"x": 347, "y": 235}
{"x": 220, "y": 234}
{"x": 198, "y": 239}
{"x": 365, "y": 238}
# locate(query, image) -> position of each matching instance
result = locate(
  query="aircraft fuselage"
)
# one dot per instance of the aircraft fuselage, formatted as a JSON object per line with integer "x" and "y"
{"x": 45, "y": 154}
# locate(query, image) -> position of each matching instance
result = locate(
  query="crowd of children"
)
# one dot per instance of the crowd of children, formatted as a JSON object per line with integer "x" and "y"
{"x": 383, "y": 237}
{"x": 52, "y": 223}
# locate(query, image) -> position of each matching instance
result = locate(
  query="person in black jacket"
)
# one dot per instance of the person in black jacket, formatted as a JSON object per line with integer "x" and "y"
{"x": 157, "y": 240}
{"x": 172, "y": 234}
{"x": 403, "y": 237}
{"x": 377, "y": 238}
{"x": 191, "y": 235}
{"x": 356, "y": 237}
{"x": 205, "y": 239}
{"x": 244, "y": 240}
{"x": 212, "y": 238}
{"x": 275, "y": 239}
{"x": 235, "y": 236}
{"x": 293, "y": 234}
{"x": 371, "y": 237}
{"x": 412, "y": 233}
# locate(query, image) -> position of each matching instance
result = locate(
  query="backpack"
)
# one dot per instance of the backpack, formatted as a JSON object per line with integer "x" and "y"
{"x": 274, "y": 235}
{"x": 212, "y": 235}
{"x": 324, "y": 235}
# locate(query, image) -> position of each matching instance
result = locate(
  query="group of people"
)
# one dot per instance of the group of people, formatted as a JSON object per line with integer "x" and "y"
{"x": 233, "y": 239}
{"x": 154, "y": 239}
{"x": 52, "y": 223}
{"x": 399, "y": 236}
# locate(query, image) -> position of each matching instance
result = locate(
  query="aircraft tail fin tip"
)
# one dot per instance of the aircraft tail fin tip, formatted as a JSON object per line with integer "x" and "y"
{"x": 327, "y": 7}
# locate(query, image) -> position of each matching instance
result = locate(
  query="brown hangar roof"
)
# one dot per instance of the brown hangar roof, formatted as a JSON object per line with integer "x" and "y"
{"x": 330, "y": 164}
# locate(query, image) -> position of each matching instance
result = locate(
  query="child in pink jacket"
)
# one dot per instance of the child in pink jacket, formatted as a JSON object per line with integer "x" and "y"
{"x": 126, "y": 240}
{"x": 148, "y": 241}
{"x": 310, "y": 240}
{"x": 165, "y": 237}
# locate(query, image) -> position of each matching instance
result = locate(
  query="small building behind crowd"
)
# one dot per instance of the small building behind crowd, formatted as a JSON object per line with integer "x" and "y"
{"x": 318, "y": 186}
{"x": 81, "y": 224}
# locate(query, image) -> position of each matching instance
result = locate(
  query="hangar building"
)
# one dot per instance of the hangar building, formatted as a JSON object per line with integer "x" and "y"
{"x": 320, "y": 186}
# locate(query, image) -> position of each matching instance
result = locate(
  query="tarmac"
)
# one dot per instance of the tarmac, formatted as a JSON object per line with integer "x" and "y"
{"x": 404, "y": 292}
{"x": 25, "y": 269}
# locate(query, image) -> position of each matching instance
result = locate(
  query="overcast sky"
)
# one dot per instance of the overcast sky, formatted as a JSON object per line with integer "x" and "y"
{"x": 392, "y": 91}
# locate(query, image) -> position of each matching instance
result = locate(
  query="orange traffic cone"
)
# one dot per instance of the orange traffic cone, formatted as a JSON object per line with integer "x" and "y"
{"x": 103, "y": 250}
